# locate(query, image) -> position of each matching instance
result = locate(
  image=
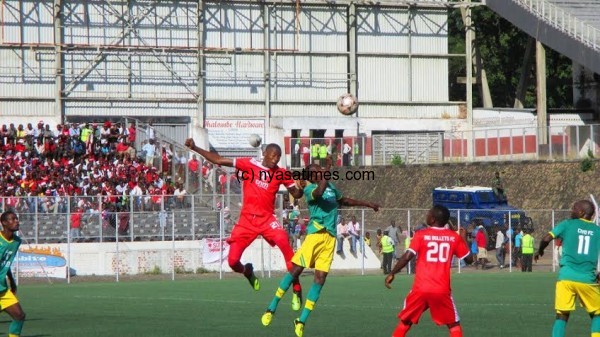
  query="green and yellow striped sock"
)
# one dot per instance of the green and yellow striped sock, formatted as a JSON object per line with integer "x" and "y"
{"x": 311, "y": 299}
{"x": 284, "y": 285}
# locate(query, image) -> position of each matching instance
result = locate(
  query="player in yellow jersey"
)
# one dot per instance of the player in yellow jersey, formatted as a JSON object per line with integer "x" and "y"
{"x": 577, "y": 278}
{"x": 323, "y": 200}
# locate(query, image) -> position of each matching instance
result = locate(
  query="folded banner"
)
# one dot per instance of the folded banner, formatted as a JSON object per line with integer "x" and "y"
{"x": 212, "y": 250}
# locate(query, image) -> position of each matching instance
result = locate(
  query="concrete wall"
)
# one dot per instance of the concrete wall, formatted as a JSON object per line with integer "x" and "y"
{"x": 143, "y": 257}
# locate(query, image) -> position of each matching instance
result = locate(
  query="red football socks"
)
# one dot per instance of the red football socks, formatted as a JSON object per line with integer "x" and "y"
{"x": 456, "y": 331}
{"x": 401, "y": 330}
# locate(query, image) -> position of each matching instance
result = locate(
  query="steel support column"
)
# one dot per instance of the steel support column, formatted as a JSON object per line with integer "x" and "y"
{"x": 352, "y": 58}
{"x": 469, "y": 59}
{"x": 267, "y": 68}
{"x": 200, "y": 100}
{"x": 540, "y": 66}
{"x": 58, "y": 61}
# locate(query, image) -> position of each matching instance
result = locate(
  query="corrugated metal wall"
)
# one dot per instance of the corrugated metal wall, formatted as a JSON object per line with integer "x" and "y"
{"x": 392, "y": 81}
{"x": 26, "y": 72}
{"x": 235, "y": 77}
{"x": 28, "y": 22}
{"x": 310, "y": 78}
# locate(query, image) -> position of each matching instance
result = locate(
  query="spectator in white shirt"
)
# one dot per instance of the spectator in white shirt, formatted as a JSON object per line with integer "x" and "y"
{"x": 346, "y": 152}
{"x": 342, "y": 233}
{"x": 179, "y": 194}
{"x": 150, "y": 150}
{"x": 353, "y": 228}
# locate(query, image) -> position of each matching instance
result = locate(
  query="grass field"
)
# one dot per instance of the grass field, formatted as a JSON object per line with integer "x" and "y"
{"x": 490, "y": 304}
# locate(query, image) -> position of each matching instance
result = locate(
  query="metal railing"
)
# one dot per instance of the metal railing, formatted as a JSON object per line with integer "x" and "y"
{"x": 562, "y": 143}
{"x": 564, "y": 21}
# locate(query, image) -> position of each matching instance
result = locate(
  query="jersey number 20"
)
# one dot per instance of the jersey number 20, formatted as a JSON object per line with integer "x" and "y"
{"x": 437, "y": 251}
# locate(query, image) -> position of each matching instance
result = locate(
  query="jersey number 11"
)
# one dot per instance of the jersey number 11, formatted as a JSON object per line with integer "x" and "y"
{"x": 584, "y": 245}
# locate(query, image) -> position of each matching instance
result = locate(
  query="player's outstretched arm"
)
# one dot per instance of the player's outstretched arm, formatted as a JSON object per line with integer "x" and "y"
{"x": 545, "y": 242}
{"x": 402, "y": 262}
{"x": 355, "y": 202}
{"x": 210, "y": 156}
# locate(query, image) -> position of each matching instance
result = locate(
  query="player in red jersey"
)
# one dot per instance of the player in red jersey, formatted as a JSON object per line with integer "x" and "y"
{"x": 435, "y": 247}
{"x": 261, "y": 181}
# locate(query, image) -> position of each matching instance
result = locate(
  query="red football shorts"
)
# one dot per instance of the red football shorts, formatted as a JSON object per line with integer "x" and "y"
{"x": 250, "y": 226}
{"x": 443, "y": 310}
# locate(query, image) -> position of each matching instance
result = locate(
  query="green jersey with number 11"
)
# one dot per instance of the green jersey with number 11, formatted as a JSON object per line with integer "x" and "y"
{"x": 580, "y": 246}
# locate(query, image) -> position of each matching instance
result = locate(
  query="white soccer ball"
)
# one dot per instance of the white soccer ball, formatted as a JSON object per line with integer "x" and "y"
{"x": 347, "y": 104}
{"x": 254, "y": 140}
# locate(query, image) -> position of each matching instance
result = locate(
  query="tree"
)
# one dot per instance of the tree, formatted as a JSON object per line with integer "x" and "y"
{"x": 502, "y": 48}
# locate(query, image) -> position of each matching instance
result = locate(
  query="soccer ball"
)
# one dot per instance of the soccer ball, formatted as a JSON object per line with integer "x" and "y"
{"x": 347, "y": 104}
{"x": 254, "y": 140}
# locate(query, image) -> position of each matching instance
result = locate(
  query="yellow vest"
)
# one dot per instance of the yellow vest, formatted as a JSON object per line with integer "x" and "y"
{"x": 85, "y": 134}
{"x": 314, "y": 150}
{"x": 323, "y": 152}
{"x": 386, "y": 245}
{"x": 527, "y": 244}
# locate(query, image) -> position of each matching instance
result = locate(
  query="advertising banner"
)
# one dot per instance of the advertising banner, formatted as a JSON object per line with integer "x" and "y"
{"x": 40, "y": 262}
{"x": 233, "y": 133}
{"x": 212, "y": 251}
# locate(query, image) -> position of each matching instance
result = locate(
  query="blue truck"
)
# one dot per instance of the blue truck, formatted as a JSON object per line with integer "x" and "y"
{"x": 471, "y": 206}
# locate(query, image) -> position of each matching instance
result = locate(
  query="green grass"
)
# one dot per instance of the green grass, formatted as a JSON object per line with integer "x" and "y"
{"x": 490, "y": 304}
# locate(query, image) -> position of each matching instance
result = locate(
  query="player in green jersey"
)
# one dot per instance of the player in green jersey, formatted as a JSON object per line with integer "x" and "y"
{"x": 577, "y": 277}
{"x": 318, "y": 248}
{"x": 9, "y": 246}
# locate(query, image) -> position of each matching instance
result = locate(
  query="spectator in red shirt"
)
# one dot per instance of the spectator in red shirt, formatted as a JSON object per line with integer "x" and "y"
{"x": 20, "y": 146}
{"x": 193, "y": 166}
{"x": 75, "y": 231}
{"x": 222, "y": 182}
{"x": 481, "y": 239}
{"x": 132, "y": 134}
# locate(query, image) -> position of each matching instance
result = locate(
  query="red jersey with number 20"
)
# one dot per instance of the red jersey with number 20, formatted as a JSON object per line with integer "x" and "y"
{"x": 261, "y": 185}
{"x": 435, "y": 248}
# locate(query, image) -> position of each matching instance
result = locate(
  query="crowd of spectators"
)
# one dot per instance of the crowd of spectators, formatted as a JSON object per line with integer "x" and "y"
{"x": 97, "y": 163}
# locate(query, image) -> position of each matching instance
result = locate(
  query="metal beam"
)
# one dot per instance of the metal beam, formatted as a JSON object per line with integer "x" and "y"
{"x": 469, "y": 50}
{"x": 352, "y": 58}
{"x": 369, "y": 3}
{"x": 58, "y": 61}
{"x": 200, "y": 85}
{"x": 267, "y": 66}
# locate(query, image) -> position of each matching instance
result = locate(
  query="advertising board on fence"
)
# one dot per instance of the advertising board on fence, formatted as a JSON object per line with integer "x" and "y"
{"x": 41, "y": 262}
{"x": 212, "y": 250}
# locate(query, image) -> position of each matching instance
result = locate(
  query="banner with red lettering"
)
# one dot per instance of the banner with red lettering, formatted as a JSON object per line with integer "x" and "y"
{"x": 212, "y": 250}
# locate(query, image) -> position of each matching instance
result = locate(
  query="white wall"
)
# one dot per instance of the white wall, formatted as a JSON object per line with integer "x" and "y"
{"x": 141, "y": 257}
